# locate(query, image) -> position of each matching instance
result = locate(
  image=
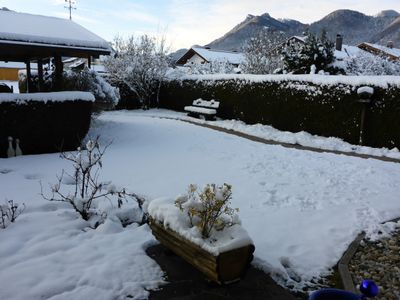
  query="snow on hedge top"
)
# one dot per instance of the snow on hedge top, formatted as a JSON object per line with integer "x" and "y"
{"x": 165, "y": 211}
{"x": 30, "y": 28}
{"x": 44, "y": 97}
{"x": 326, "y": 80}
{"x": 234, "y": 58}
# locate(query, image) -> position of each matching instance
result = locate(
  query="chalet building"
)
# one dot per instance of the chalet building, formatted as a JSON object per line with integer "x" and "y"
{"x": 34, "y": 39}
{"x": 388, "y": 52}
{"x": 199, "y": 55}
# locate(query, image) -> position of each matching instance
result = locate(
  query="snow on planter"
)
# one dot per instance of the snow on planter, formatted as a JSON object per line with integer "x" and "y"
{"x": 165, "y": 212}
{"x": 205, "y": 232}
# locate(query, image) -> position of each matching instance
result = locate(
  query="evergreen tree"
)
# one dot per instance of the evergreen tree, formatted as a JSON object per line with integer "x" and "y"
{"x": 314, "y": 55}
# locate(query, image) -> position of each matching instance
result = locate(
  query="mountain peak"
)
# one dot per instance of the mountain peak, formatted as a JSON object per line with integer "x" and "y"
{"x": 390, "y": 13}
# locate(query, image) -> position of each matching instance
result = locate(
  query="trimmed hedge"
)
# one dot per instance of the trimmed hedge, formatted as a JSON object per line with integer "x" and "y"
{"x": 296, "y": 105}
{"x": 44, "y": 127}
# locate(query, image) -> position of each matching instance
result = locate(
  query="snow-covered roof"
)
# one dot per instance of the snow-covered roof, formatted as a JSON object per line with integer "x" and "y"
{"x": 390, "y": 51}
{"x": 302, "y": 38}
{"x": 23, "y": 27}
{"x": 347, "y": 51}
{"x": 234, "y": 58}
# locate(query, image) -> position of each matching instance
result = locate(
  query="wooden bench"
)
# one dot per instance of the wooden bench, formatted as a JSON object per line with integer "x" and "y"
{"x": 205, "y": 108}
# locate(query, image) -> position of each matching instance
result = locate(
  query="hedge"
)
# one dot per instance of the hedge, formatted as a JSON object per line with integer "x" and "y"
{"x": 325, "y": 106}
{"x": 45, "y": 125}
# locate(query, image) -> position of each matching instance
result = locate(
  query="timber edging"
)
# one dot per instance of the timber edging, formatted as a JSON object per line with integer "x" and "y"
{"x": 343, "y": 264}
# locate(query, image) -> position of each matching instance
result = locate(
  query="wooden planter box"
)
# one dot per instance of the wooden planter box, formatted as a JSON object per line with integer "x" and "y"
{"x": 225, "y": 268}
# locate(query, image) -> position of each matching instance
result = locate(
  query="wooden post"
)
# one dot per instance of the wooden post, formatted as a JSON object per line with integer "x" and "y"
{"x": 28, "y": 77}
{"x": 89, "y": 62}
{"x": 40, "y": 74}
{"x": 58, "y": 72}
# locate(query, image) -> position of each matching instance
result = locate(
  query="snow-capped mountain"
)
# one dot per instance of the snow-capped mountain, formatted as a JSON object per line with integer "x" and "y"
{"x": 238, "y": 36}
{"x": 354, "y": 26}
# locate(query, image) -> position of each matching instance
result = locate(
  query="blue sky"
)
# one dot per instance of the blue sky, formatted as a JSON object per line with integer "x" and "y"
{"x": 187, "y": 22}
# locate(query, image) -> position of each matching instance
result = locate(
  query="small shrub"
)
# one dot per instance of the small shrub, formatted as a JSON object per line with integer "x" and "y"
{"x": 86, "y": 80}
{"x": 88, "y": 190}
{"x": 9, "y": 212}
{"x": 208, "y": 209}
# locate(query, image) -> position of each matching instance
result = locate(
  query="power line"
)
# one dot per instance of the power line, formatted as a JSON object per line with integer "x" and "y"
{"x": 70, "y": 6}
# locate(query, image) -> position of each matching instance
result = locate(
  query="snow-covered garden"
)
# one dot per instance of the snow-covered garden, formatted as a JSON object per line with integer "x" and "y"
{"x": 301, "y": 209}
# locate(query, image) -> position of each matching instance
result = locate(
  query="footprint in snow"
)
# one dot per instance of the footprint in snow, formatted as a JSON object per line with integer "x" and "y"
{"x": 5, "y": 171}
{"x": 33, "y": 176}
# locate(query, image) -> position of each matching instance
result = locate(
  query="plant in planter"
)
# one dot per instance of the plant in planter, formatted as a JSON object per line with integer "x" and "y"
{"x": 204, "y": 230}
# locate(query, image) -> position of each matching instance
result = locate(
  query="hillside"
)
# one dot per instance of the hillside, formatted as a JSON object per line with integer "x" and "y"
{"x": 354, "y": 26}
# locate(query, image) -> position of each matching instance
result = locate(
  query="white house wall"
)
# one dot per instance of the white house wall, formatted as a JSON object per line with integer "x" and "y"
{"x": 195, "y": 59}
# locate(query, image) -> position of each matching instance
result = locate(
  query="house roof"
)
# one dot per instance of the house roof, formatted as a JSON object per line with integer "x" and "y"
{"x": 19, "y": 30}
{"x": 208, "y": 55}
{"x": 347, "y": 51}
{"x": 393, "y": 53}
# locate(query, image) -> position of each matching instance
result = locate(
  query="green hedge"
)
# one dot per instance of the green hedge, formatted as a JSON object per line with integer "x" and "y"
{"x": 329, "y": 109}
{"x": 44, "y": 127}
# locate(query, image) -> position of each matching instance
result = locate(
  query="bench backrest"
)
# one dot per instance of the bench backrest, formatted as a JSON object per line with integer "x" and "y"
{"x": 205, "y": 103}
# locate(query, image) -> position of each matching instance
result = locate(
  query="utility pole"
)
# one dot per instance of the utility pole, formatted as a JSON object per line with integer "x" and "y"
{"x": 70, "y": 6}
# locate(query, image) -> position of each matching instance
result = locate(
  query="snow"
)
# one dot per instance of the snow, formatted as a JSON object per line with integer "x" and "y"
{"x": 347, "y": 51}
{"x": 14, "y": 84}
{"x": 211, "y": 103}
{"x": 302, "y": 209}
{"x": 47, "y": 30}
{"x": 234, "y": 58}
{"x": 325, "y": 80}
{"x": 270, "y": 133}
{"x": 164, "y": 210}
{"x": 45, "y": 97}
{"x": 365, "y": 89}
{"x": 201, "y": 110}
{"x": 391, "y": 51}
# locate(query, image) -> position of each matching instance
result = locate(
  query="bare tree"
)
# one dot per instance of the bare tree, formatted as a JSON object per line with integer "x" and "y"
{"x": 141, "y": 64}
{"x": 261, "y": 56}
{"x": 9, "y": 212}
{"x": 87, "y": 187}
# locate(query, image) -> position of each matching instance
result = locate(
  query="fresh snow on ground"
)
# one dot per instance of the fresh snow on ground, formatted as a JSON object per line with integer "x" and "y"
{"x": 270, "y": 133}
{"x": 301, "y": 209}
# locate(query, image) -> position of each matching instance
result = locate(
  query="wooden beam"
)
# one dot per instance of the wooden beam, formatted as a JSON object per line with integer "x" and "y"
{"x": 59, "y": 68}
{"x": 28, "y": 77}
{"x": 40, "y": 74}
{"x": 89, "y": 62}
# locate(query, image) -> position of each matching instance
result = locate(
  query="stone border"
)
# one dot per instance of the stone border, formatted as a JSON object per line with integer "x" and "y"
{"x": 343, "y": 264}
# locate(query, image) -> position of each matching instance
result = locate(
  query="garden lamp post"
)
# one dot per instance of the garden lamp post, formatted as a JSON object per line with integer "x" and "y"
{"x": 365, "y": 94}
